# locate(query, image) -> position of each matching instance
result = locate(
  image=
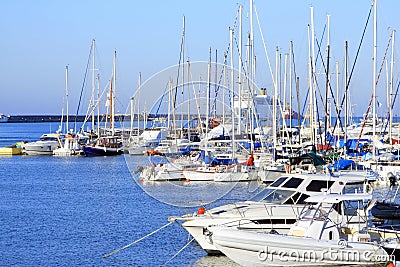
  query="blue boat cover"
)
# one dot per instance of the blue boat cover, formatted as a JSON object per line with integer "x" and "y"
{"x": 342, "y": 164}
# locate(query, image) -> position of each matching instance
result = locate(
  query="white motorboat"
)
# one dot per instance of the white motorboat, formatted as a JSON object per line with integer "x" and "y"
{"x": 238, "y": 172}
{"x": 71, "y": 147}
{"x": 4, "y": 118}
{"x": 276, "y": 207}
{"x": 148, "y": 139}
{"x": 320, "y": 237}
{"x": 171, "y": 171}
{"x": 45, "y": 146}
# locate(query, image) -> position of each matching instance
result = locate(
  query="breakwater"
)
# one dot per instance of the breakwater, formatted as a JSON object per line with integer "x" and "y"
{"x": 81, "y": 118}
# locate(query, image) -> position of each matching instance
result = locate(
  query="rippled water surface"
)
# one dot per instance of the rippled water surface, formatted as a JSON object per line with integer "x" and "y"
{"x": 72, "y": 211}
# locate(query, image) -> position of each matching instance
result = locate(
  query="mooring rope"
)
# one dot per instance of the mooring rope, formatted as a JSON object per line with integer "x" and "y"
{"x": 176, "y": 254}
{"x": 136, "y": 241}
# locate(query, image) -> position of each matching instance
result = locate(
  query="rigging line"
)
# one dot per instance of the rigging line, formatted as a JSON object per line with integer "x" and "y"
{"x": 394, "y": 101}
{"x": 179, "y": 66}
{"x": 176, "y": 254}
{"x": 313, "y": 70}
{"x": 320, "y": 95}
{"x": 161, "y": 98}
{"x": 83, "y": 86}
{"x": 265, "y": 46}
{"x": 316, "y": 60}
{"x": 136, "y": 241}
{"x": 219, "y": 80}
{"x": 330, "y": 88}
{"x": 373, "y": 96}
{"x": 354, "y": 64}
{"x": 97, "y": 102}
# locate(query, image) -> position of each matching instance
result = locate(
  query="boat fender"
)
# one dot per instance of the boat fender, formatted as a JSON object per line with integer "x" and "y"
{"x": 217, "y": 169}
{"x": 288, "y": 168}
{"x": 201, "y": 211}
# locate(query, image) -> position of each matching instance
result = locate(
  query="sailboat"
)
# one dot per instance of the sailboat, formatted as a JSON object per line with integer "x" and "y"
{"x": 70, "y": 144}
{"x": 107, "y": 145}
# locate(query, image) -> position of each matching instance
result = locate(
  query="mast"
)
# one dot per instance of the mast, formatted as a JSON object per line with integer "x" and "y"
{"x": 252, "y": 65}
{"x": 337, "y": 86}
{"x": 98, "y": 106}
{"x": 285, "y": 81}
{"x": 188, "y": 100}
{"x": 215, "y": 84}
{"x": 314, "y": 99}
{"x": 183, "y": 77}
{"x": 208, "y": 92}
{"x": 66, "y": 99}
{"x": 298, "y": 107}
{"x": 232, "y": 90}
{"x": 275, "y": 98}
{"x": 310, "y": 85}
{"x": 391, "y": 90}
{"x": 132, "y": 114}
{"x": 327, "y": 113}
{"x": 223, "y": 92}
{"x": 290, "y": 82}
{"x": 138, "y": 103}
{"x": 345, "y": 97}
{"x": 93, "y": 88}
{"x": 373, "y": 80}
{"x": 112, "y": 94}
{"x": 240, "y": 60}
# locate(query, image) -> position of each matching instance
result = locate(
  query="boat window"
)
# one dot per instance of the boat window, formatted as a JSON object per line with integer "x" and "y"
{"x": 260, "y": 196}
{"x": 338, "y": 207}
{"x": 273, "y": 221}
{"x": 277, "y": 196}
{"x": 293, "y": 182}
{"x": 297, "y": 198}
{"x": 351, "y": 207}
{"x": 48, "y": 138}
{"x": 291, "y": 199}
{"x": 318, "y": 185}
{"x": 302, "y": 198}
{"x": 278, "y": 182}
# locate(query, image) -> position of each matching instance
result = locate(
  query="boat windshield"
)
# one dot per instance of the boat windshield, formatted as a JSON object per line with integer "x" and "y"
{"x": 273, "y": 196}
{"x": 278, "y": 182}
{"x": 48, "y": 138}
{"x": 293, "y": 182}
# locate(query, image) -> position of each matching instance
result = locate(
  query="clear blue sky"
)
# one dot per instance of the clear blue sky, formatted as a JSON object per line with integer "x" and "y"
{"x": 39, "y": 38}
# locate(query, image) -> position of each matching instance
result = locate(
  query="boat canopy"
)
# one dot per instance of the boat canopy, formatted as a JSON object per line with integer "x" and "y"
{"x": 311, "y": 157}
{"x": 342, "y": 164}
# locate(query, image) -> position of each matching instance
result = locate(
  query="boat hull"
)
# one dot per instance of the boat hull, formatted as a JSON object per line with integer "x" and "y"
{"x": 262, "y": 249}
{"x": 235, "y": 176}
{"x": 40, "y": 148}
{"x": 258, "y": 218}
{"x": 199, "y": 175}
{"x": 94, "y": 151}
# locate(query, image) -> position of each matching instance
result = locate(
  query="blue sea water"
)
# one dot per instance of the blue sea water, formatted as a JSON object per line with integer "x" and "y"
{"x": 71, "y": 211}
